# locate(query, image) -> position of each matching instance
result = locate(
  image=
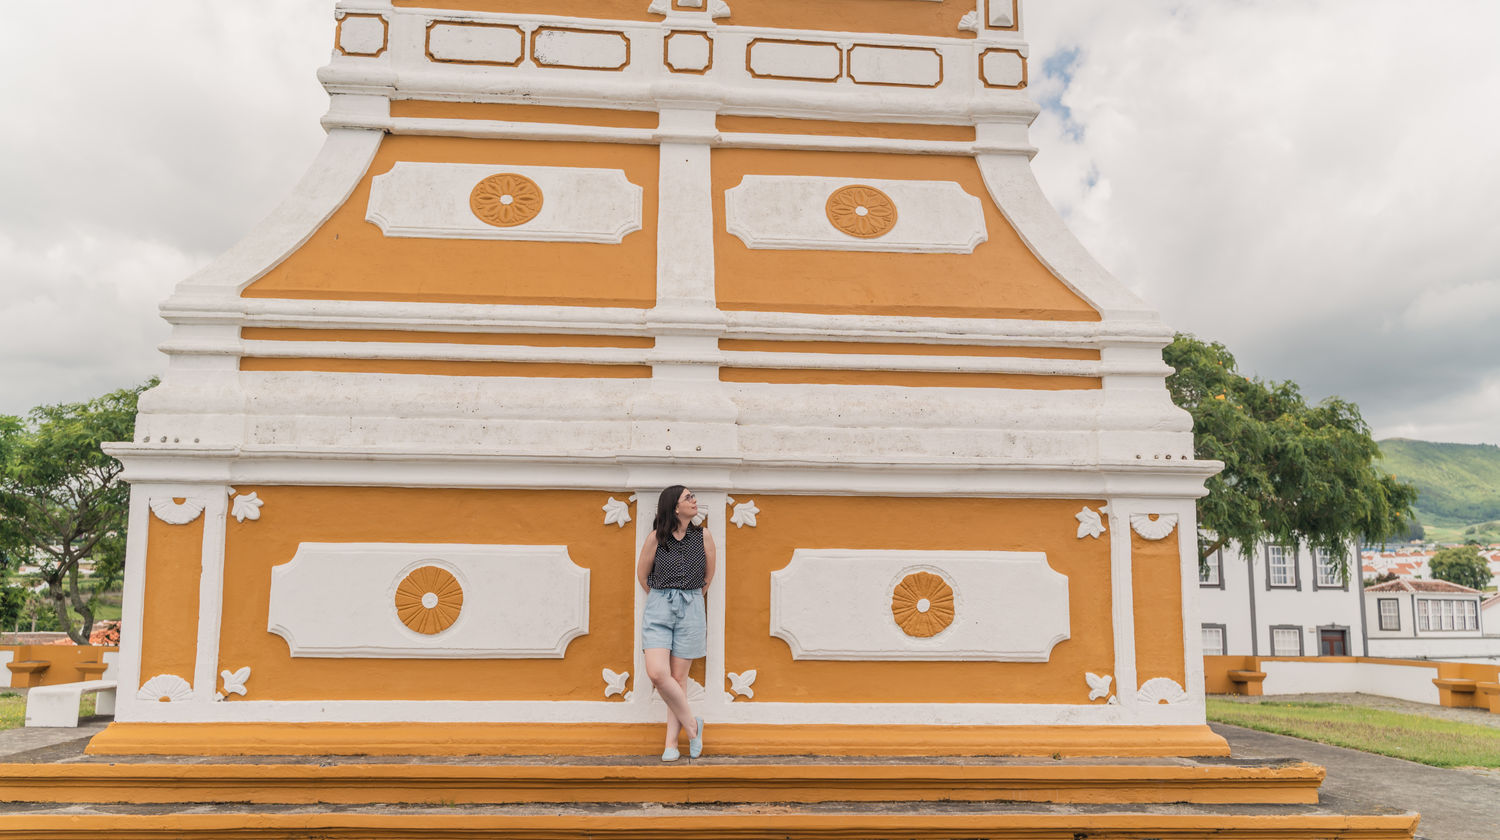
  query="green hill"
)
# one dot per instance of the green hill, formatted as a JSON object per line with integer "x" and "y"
{"x": 1458, "y": 483}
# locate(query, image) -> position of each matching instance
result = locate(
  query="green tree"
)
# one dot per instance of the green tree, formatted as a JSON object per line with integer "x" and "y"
{"x": 62, "y": 501}
{"x": 1461, "y": 564}
{"x": 1293, "y": 472}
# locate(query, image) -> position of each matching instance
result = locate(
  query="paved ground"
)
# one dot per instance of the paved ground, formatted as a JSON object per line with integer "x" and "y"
{"x": 1482, "y": 717}
{"x": 1455, "y": 804}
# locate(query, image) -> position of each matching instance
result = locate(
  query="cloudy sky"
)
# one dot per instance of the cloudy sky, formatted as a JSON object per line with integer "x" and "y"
{"x": 1312, "y": 182}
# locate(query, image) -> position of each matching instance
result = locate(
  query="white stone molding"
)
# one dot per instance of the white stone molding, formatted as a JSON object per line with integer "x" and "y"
{"x": 1009, "y": 606}
{"x": 787, "y": 212}
{"x": 171, "y": 512}
{"x": 616, "y": 512}
{"x": 1002, "y": 68}
{"x": 1153, "y": 526}
{"x": 362, "y": 35}
{"x": 614, "y": 683}
{"x": 744, "y": 514}
{"x": 969, "y": 22}
{"x": 812, "y": 61}
{"x": 519, "y": 601}
{"x": 580, "y": 49}
{"x": 211, "y": 593}
{"x": 234, "y": 682}
{"x": 165, "y": 688}
{"x": 473, "y": 42}
{"x": 1098, "y": 686}
{"x": 1002, "y": 13}
{"x": 739, "y": 683}
{"x": 1161, "y": 690}
{"x": 689, "y": 51}
{"x": 246, "y": 506}
{"x": 1090, "y": 522}
{"x": 431, "y": 200}
{"x": 873, "y": 64}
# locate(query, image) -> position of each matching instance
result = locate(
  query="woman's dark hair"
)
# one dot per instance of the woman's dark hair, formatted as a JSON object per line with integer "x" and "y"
{"x": 666, "y": 513}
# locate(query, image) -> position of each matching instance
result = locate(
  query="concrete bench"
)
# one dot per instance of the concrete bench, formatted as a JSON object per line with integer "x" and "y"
{"x": 57, "y": 705}
{"x": 1247, "y": 682}
{"x": 27, "y": 672}
{"x": 1488, "y": 696}
{"x": 1455, "y": 692}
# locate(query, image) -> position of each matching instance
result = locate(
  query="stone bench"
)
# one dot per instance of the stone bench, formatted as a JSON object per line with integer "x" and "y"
{"x": 57, "y": 705}
{"x": 1247, "y": 682}
{"x": 27, "y": 672}
{"x": 1455, "y": 692}
{"x": 1487, "y": 696}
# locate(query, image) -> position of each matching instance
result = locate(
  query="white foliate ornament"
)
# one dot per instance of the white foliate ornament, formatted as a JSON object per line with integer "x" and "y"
{"x": 246, "y": 506}
{"x": 744, "y": 514}
{"x": 165, "y": 688}
{"x": 969, "y": 22}
{"x": 1161, "y": 690}
{"x": 740, "y": 683}
{"x": 234, "y": 682}
{"x": 614, "y": 683}
{"x": 172, "y": 513}
{"x": 1153, "y": 529}
{"x": 700, "y": 518}
{"x": 616, "y": 512}
{"x": 1090, "y": 523}
{"x": 1098, "y": 686}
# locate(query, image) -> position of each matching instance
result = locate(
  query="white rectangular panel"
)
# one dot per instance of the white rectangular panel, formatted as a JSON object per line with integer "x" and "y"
{"x": 475, "y": 43}
{"x": 580, "y": 49}
{"x": 807, "y": 60}
{"x": 905, "y": 66}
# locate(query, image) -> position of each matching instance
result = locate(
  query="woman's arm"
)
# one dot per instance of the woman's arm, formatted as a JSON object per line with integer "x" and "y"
{"x": 709, "y": 551}
{"x": 646, "y": 561}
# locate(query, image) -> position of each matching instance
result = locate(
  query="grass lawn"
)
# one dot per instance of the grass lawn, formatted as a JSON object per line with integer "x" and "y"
{"x": 1441, "y": 743}
{"x": 13, "y": 709}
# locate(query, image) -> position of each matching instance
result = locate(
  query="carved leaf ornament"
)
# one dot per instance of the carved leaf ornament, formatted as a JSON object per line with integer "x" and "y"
{"x": 506, "y": 200}
{"x": 922, "y": 605}
{"x": 429, "y": 600}
{"x": 861, "y": 211}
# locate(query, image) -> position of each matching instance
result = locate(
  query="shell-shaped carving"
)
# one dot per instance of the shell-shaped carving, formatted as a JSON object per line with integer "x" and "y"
{"x": 922, "y": 604}
{"x": 1161, "y": 690}
{"x": 969, "y": 22}
{"x": 506, "y": 200}
{"x": 429, "y": 600}
{"x": 165, "y": 688}
{"x": 1153, "y": 528}
{"x": 861, "y": 211}
{"x": 173, "y": 513}
{"x": 695, "y": 691}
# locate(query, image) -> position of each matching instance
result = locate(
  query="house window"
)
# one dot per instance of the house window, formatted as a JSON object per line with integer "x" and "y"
{"x": 1211, "y": 574}
{"x": 1390, "y": 613}
{"x": 1434, "y": 614}
{"x": 1286, "y": 641}
{"x": 1281, "y": 565}
{"x": 1213, "y": 640}
{"x": 1328, "y": 569}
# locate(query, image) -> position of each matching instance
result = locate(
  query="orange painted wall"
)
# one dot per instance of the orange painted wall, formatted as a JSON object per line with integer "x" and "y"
{"x": 781, "y": 125}
{"x": 1156, "y": 578}
{"x": 169, "y": 631}
{"x": 371, "y": 514}
{"x": 791, "y": 522}
{"x": 1000, "y": 279}
{"x": 350, "y": 259}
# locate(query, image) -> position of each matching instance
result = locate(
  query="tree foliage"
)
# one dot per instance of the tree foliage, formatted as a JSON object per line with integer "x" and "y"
{"x": 1461, "y": 564}
{"x": 1293, "y": 472}
{"x": 62, "y": 501}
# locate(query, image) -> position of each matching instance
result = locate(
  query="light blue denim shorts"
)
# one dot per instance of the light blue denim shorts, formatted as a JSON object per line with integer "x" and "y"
{"x": 675, "y": 619}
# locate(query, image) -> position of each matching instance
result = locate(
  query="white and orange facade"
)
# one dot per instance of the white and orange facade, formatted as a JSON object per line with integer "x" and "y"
{"x": 789, "y": 253}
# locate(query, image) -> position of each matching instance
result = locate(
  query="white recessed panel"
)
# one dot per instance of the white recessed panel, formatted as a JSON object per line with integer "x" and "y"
{"x": 432, "y": 200}
{"x": 518, "y": 601}
{"x": 807, "y": 60}
{"x": 1008, "y": 606}
{"x": 581, "y": 49}
{"x": 475, "y": 43}
{"x": 789, "y": 212}
{"x": 362, "y": 34}
{"x": 1003, "y": 68}
{"x": 908, "y": 66}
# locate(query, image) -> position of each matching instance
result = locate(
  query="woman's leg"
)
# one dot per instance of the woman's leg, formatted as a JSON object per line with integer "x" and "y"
{"x": 659, "y": 668}
{"x": 680, "y": 669}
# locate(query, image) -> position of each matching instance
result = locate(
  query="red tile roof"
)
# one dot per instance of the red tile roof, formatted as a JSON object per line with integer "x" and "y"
{"x": 1408, "y": 585}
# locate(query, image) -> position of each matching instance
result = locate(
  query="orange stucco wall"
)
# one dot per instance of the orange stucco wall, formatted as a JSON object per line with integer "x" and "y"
{"x": 1156, "y": 580}
{"x": 792, "y": 522}
{"x": 169, "y": 631}
{"x": 1000, "y": 279}
{"x": 349, "y": 258}
{"x": 366, "y": 514}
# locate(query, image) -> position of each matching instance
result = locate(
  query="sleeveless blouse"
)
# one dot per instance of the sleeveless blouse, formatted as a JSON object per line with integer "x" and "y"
{"x": 679, "y": 564}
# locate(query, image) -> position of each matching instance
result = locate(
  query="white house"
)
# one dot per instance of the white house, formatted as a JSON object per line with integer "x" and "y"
{"x": 1489, "y": 616}
{"x": 1427, "y": 619}
{"x": 1281, "y": 601}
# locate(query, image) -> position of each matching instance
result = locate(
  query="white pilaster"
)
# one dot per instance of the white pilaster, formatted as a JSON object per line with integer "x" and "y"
{"x": 210, "y": 595}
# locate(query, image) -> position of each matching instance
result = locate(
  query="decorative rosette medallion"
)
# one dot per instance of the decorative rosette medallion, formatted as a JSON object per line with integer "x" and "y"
{"x": 506, "y": 200}
{"x": 922, "y": 605}
{"x": 861, "y": 211}
{"x": 429, "y": 600}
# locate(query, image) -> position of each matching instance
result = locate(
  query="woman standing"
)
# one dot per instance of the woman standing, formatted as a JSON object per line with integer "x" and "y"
{"x": 675, "y": 568}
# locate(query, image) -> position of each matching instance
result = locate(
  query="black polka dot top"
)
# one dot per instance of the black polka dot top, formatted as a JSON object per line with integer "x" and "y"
{"x": 679, "y": 564}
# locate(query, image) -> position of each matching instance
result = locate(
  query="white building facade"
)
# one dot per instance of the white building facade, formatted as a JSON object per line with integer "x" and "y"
{"x": 1428, "y": 619}
{"x": 1282, "y": 600}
